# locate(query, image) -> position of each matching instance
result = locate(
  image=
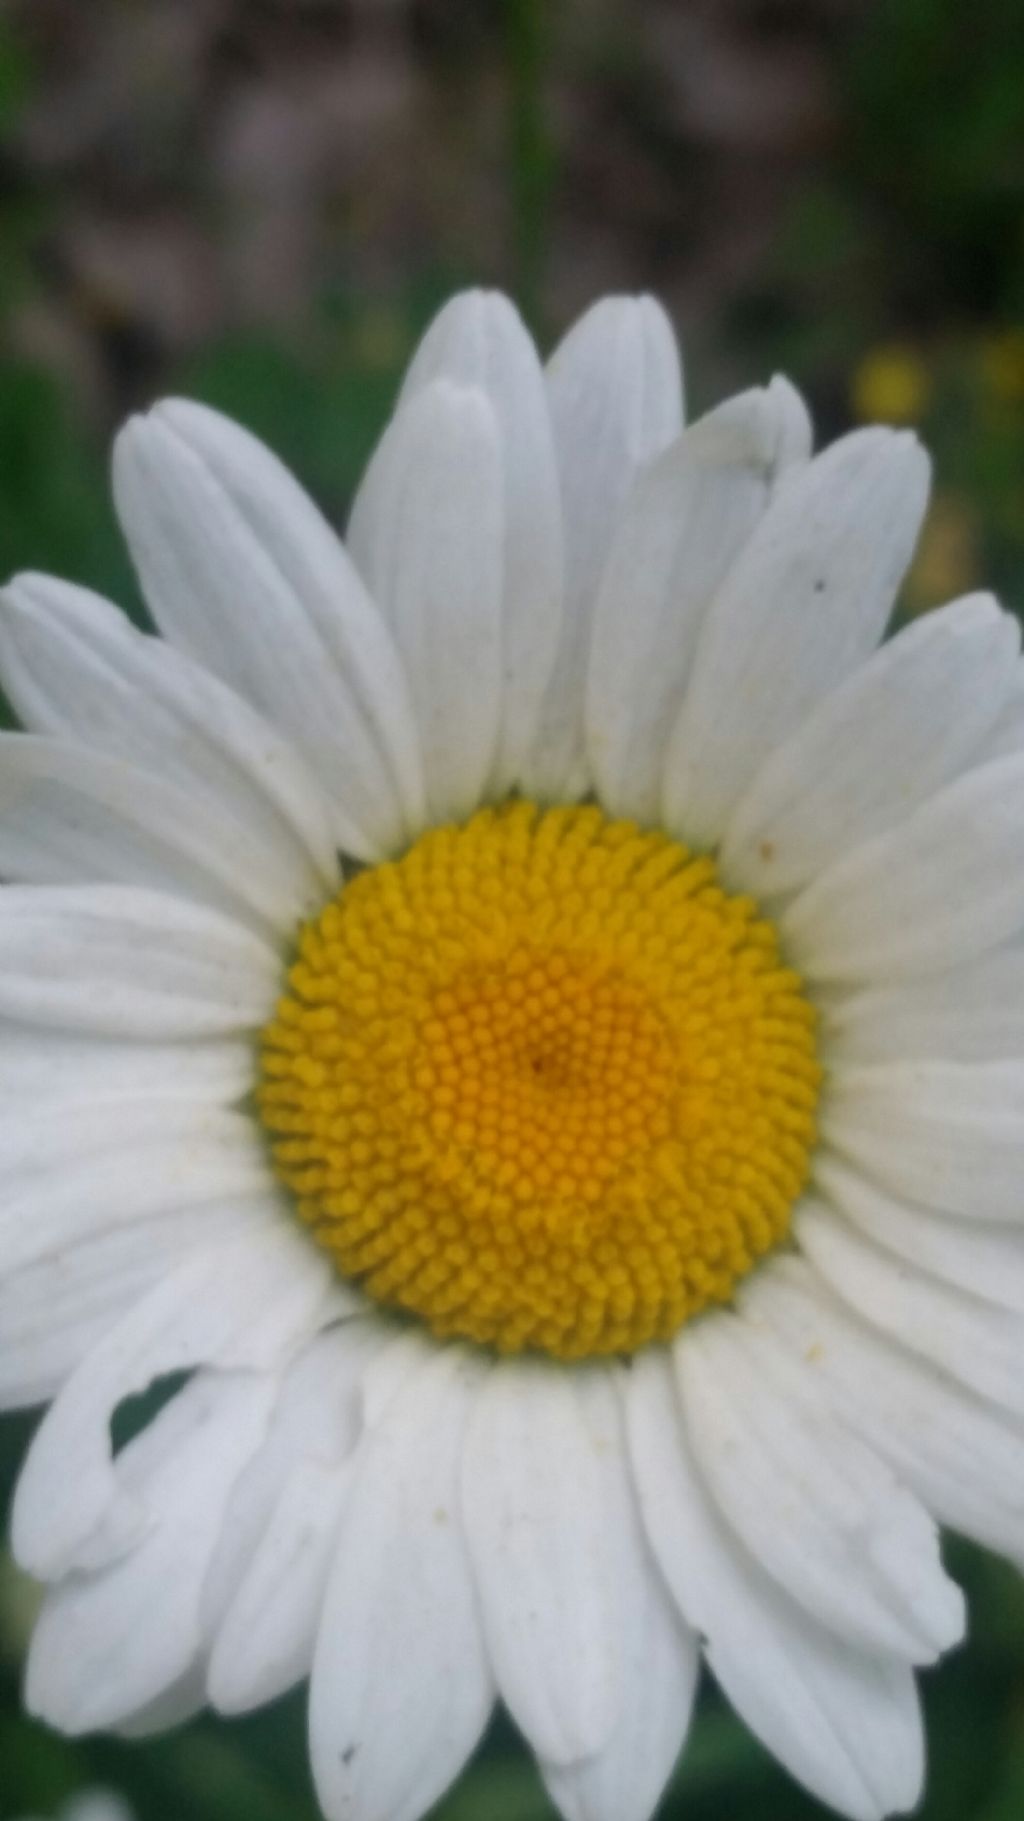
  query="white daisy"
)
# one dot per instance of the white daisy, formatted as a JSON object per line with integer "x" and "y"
{"x": 527, "y": 1012}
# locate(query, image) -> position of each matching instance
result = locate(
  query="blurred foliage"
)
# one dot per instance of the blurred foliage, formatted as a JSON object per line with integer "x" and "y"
{"x": 819, "y": 185}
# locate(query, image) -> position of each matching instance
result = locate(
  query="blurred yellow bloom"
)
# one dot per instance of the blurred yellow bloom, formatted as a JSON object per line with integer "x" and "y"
{"x": 947, "y": 556}
{"x": 1002, "y": 365}
{"x": 892, "y": 385}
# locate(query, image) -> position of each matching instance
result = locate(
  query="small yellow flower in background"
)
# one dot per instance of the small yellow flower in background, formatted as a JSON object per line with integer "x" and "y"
{"x": 892, "y": 385}
{"x": 947, "y": 560}
{"x": 1002, "y": 365}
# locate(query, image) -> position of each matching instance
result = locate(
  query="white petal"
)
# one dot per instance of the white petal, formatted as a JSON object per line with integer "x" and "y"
{"x": 846, "y": 1724}
{"x": 431, "y": 552}
{"x": 240, "y": 569}
{"x": 963, "y": 1458}
{"x": 119, "y": 962}
{"x": 74, "y": 667}
{"x": 626, "y": 1779}
{"x": 973, "y": 1013}
{"x": 243, "y": 1303}
{"x": 478, "y": 339}
{"x": 1007, "y": 736}
{"x": 545, "y": 1566}
{"x": 69, "y": 1171}
{"x": 941, "y": 888}
{"x": 985, "y": 1259}
{"x": 55, "y": 1310}
{"x": 263, "y": 1599}
{"x": 615, "y": 394}
{"x": 817, "y": 1509}
{"x": 682, "y": 526}
{"x": 401, "y": 1688}
{"x": 107, "y": 1643}
{"x": 887, "y": 738}
{"x": 37, "y": 1065}
{"x": 804, "y": 604}
{"x": 972, "y": 1341}
{"x": 947, "y": 1134}
{"x": 70, "y": 816}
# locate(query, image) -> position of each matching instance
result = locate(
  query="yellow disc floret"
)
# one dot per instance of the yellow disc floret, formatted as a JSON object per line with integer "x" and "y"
{"x": 543, "y": 1083}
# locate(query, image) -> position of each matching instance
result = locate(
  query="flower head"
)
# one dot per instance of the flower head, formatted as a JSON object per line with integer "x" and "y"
{"x": 524, "y": 1010}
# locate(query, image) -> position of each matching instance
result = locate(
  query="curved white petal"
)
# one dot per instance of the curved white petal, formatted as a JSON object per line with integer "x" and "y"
{"x": 109, "y": 1642}
{"x": 120, "y": 962}
{"x": 431, "y": 541}
{"x": 241, "y": 571}
{"x": 263, "y": 1596}
{"x": 963, "y": 1457}
{"x": 938, "y": 890}
{"x": 845, "y": 1723}
{"x": 983, "y": 1258}
{"x": 819, "y": 1512}
{"x": 947, "y": 1134}
{"x": 54, "y": 1310}
{"x": 615, "y": 393}
{"x": 74, "y": 667}
{"x": 804, "y": 604}
{"x": 479, "y": 340}
{"x": 969, "y": 1340}
{"x": 69, "y": 816}
{"x": 401, "y": 1689}
{"x": 246, "y": 1302}
{"x": 973, "y": 1013}
{"x": 869, "y": 753}
{"x": 682, "y": 526}
{"x": 546, "y": 1569}
{"x": 626, "y": 1779}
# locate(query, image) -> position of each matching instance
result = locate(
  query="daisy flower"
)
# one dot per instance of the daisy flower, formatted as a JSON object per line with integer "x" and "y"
{"x": 516, "y": 1022}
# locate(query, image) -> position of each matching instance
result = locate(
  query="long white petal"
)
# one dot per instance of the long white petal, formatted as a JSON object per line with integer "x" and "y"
{"x": 39, "y": 1066}
{"x": 897, "y": 729}
{"x": 817, "y": 1509}
{"x": 947, "y": 1134}
{"x": 545, "y": 1568}
{"x": 118, "y": 961}
{"x": 110, "y": 1642}
{"x": 70, "y": 816}
{"x": 74, "y": 667}
{"x": 804, "y": 604}
{"x": 432, "y": 554}
{"x": 626, "y": 1779}
{"x": 69, "y": 1171}
{"x": 969, "y": 1340}
{"x": 246, "y": 1302}
{"x": 401, "y": 1688}
{"x": 682, "y": 526}
{"x": 973, "y": 1013}
{"x": 615, "y": 393}
{"x": 963, "y": 1458}
{"x": 938, "y": 890}
{"x": 845, "y": 1723}
{"x": 984, "y": 1258}
{"x": 240, "y": 570}
{"x": 479, "y": 340}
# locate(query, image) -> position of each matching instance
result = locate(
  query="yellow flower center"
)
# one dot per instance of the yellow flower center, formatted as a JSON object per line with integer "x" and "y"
{"x": 543, "y": 1083}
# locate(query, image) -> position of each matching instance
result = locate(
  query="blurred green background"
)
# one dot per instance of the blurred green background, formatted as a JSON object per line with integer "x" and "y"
{"x": 259, "y": 202}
